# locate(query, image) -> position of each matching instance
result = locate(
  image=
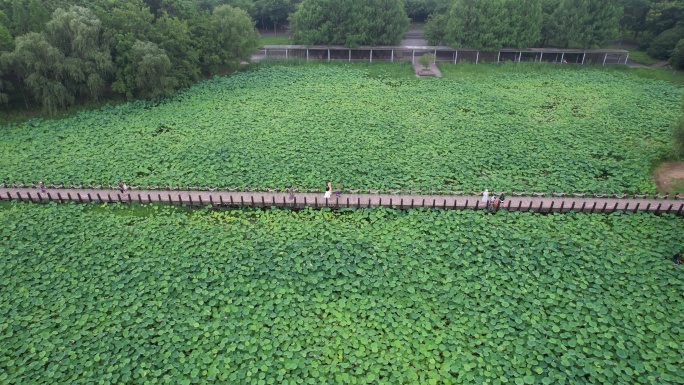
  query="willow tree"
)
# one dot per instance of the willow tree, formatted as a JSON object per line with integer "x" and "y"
{"x": 150, "y": 67}
{"x": 349, "y": 22}
{"x": 79, "y": 35}
{"x": 42, "y": 69}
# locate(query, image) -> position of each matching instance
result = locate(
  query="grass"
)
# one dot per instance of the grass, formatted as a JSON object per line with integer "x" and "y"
{"x": 274, "y": 40}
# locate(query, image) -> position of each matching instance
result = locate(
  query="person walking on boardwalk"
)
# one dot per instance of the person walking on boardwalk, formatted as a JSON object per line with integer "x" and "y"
{"x": 339, "y": 188}
{"x": 328, "y": 190}
{"x": 121, "y": 187}
{"x": 485, "y": 196}
{"x": 290, "y": 191}
{"x": 42, "y": 188}
{"x": 501, "y": 199}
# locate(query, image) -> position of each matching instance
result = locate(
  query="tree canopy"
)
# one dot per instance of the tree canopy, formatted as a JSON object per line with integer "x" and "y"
{"x": 349, "y": 22}
{"x": 55, "y": 52}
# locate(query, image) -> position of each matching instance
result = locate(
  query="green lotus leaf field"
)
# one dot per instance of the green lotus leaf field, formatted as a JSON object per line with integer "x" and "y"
{"x": 100, "y": 294}
{"x": 539, "y": 128}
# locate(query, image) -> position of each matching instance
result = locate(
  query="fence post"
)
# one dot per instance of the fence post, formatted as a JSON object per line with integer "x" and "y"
{"x": 221, "y": 199}
{"x": 637, "y": 207}
{"x": 139, "y": 198}
{"x": 541, "y": 204}
{"x": 200, "y": 198}
{"x": 648, "y": 206}
{"x": 668, "y": 209}
{"x": 316, "y": 202}
{"x": 190, "y": 198}
{"x": 466, "y": 205}
{"x": 562, "y": 205}
{"x": 170, "y": 201}
{"x": 411, "y": 202}
{"x": 58, "y": 196}
{"x": 242, "y": 200}
{"x": 626, "y": 206}
{"x": 263, "y": 202}
{"x": 551, "y": 208}
{"x": 477, "y": 204}
{"x": 369, "y": 202}
{"x": 658, "y": 208}
{"x": 48, "y": 194}
{"x": 583, "y": 205}
{"x": 433, "y": 203}
{"x": 358, "y": 202}
{"x": 40, "y": 199}
{"x": 401, "y": 204}
{"x": 680, "y": 209}
{"x": 530, "y": 208}
{"x": 78, "y": 194}
{"x": 592, "y": 208}
{"x": 231, "y": 200}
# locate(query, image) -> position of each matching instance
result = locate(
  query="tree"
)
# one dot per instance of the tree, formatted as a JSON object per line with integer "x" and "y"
{"x": 435, "y": 29}
{"x": 6, "y": 40}
{"x": 420, "y": 10}
{"x": 272, "y": 13}
{"x": 587, "y": 23}
{"x": 491, "y": 25}
{"x": 43, "y": 69}
{"x": 677, "y": 57}
{"x": 78, "y": 34}
{"x": 634, "y": 16}
{"x": 129, "y": 22}
{"x": 664, "y": 44}
{"x": 28, "y": 16}
{"x": 227, "y": 37}
{"x": 181, "y": 49}
{"x": 349, "y": 22}
{"x": 150, "y": 68}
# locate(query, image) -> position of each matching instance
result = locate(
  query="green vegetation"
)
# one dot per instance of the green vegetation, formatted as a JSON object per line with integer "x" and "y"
{"x": 349, "y": 22}
{"x": 62, "y": 54}
{"x": 367, "y": 296}
{"x": 511, "y": 127}
{"x": 274, "y": 40}
{"x": 640, "y": 57}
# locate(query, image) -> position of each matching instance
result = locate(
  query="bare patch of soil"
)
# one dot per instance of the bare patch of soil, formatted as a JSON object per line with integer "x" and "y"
{"x": 670, "y": 175}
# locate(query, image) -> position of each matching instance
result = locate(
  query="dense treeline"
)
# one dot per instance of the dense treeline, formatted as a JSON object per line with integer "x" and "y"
{"x": 658, "y": 25}
{"x": 56, "y": 52}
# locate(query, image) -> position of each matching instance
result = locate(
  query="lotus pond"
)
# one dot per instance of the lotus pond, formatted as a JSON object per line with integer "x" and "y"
{"x": 511, "y": 127}
{"x": 100, "y": 294}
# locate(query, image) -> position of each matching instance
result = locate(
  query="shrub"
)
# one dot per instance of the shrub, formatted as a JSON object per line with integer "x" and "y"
{"x": 663, "y": 45}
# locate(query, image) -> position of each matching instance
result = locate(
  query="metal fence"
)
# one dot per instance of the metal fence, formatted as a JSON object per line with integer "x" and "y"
{"x": 443, "y": 54}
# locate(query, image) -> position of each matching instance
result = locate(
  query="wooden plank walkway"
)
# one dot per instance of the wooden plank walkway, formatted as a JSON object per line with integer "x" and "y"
{"x": 316, "y": 200}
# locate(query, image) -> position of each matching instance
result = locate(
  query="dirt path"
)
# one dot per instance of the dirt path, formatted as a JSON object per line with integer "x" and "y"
{"x": 669, "y": 177}
{"x": 316, "y": 200}
{"x": 418, "y": 68}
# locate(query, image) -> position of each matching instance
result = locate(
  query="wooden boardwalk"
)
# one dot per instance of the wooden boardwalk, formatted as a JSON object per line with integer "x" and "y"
{"x": 316, "y": 200}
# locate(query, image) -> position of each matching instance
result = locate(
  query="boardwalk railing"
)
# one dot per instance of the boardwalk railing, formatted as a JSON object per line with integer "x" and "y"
{"x": 238, "y": 189}
{"x": 301, "y": 200}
